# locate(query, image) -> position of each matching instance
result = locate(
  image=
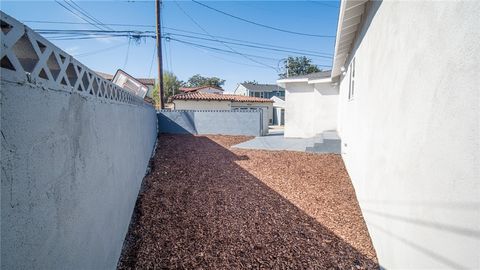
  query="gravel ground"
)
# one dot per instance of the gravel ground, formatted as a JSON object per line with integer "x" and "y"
{"x": 208, "y": 206}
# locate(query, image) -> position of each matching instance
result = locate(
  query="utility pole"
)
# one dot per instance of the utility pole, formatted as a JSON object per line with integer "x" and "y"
{"x": 158, "y": 5}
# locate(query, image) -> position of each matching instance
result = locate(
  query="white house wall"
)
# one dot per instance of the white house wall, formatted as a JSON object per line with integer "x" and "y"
{"x": 310, "y": 109}
{"x": 325, "y": 108}
{"x": 298, "y": 109}
{"x": 411, "y": 134}
{"x": 241, "y": 90}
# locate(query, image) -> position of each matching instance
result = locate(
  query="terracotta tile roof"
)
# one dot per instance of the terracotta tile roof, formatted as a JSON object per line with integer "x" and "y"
{"x": 147, "y": 81}
{"x": 219, "y": 97}
{"x": 194, "y": 89}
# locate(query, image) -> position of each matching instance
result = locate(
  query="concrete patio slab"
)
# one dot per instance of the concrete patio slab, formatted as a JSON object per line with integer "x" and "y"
{"x": 327, "y": 142}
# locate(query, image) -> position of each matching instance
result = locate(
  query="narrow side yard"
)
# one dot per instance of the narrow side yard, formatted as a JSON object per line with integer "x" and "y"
{"x": 206, "y": 205}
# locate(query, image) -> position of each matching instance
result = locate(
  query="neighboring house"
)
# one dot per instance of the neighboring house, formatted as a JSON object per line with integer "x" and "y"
{"x": 202, "y": 89}
{"x": 409, "y": 114}
{"x": 260, "y": 90}
{"x": 148, "y": 82}
{"x": 208, "y": 101}
{"x": 310, "y": 104}
{"x": 278, "y": 111}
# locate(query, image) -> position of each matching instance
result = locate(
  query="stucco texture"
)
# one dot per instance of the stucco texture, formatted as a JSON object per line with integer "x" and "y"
{"x": 310, "y": 109}
{"x": 212, "y": 122}
{"x": 71, "y": 166}
{"x": 226, "y": 105}
{"x": 410, "y": 135}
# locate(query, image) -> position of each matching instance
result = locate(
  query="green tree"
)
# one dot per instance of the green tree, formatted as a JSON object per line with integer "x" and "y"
{"x": 198, "y": 80}
{"x": 299, "y": 65}
{"x": 171, "y": 84}
{"x": 251, "y": 82}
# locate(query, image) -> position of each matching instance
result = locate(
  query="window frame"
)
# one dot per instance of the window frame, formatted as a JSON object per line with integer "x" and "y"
{"x": 351, "y": 85}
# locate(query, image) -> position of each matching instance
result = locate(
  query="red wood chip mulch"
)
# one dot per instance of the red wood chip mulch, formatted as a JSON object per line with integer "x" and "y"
{"x": 205, "y": 205}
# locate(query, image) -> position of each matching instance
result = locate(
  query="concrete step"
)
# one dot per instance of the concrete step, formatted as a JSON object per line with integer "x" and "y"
{"x": 328, "y": 146}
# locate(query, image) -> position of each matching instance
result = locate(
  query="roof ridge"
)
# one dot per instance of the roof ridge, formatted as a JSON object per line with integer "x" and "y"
{"x": 219, "y": 97}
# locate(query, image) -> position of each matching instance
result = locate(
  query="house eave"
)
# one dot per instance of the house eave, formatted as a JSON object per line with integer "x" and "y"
{"x": 324, "y": 80}
{"x": 347, "y": 30}
{"x": 282, "y": 81}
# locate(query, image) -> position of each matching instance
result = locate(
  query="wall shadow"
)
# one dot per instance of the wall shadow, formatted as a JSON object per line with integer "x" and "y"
{"x": 200, "y": 209}
{"x": 169, "y": 124}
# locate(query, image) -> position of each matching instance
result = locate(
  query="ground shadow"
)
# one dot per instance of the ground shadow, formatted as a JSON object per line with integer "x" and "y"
{"x": 200, "y": 209}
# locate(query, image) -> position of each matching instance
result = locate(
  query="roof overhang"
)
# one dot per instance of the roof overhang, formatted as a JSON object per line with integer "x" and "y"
{"x": 286, "y": 80}
{"x": 282, "y": 82}
{"x": 349, "y": 23}
{"x": 324, "y": 80}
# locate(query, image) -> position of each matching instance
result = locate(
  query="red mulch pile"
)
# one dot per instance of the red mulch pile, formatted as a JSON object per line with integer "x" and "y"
{"x": 208, "y": 206}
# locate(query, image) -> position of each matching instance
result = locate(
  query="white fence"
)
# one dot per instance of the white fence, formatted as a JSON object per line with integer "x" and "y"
{"x": 28, "y": 57}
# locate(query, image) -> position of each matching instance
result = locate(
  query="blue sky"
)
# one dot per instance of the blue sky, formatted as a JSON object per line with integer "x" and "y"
{"x": 185, "y": 60}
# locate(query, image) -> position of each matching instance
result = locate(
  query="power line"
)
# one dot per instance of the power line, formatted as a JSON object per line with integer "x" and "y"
{"x": 76, "y": 14}
{"x": 228, "y": 60}
{"x": 255, "y": 46}
{"x": 83, "y": 37}
{"x": 88, "y": 15}
{"x": 261, "y": 25}
{"x": 299, "y": 51}
{"x": 126, "y": 56}
{"x": 99, "y": 51}
{"x": 192, "y": 44}
{"x": 233, "y": 50}
{"x": 88, "y": 34}
{"x": 80, "y": 23}
{"x": 147, "y": 34}
{"x": 229, "y": 52}
{"x": 251, "y": 42}
{"x": 167, "y": 36}
{"x": 151, "y": 63}
{"x": 324, "y": 4}
{"x": 170, "y": 53}
{"x": 218, "y": 49}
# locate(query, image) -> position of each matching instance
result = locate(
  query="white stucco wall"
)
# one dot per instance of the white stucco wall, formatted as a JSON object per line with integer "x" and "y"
{"x": 326, "y": 107}
{"x": 241, "y": 90}
{"x": 201, "y": 105}
{"x": 310, "y": 109}
{"x": 72, "y": 165}
{"x": 410, "y": 136}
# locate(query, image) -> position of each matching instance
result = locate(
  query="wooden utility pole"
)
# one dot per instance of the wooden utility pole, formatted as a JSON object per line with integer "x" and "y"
{"x": 158, "y": 6}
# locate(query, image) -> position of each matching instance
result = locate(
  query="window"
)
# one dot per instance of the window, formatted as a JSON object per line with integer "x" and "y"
{"x": 351, "y": 88}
